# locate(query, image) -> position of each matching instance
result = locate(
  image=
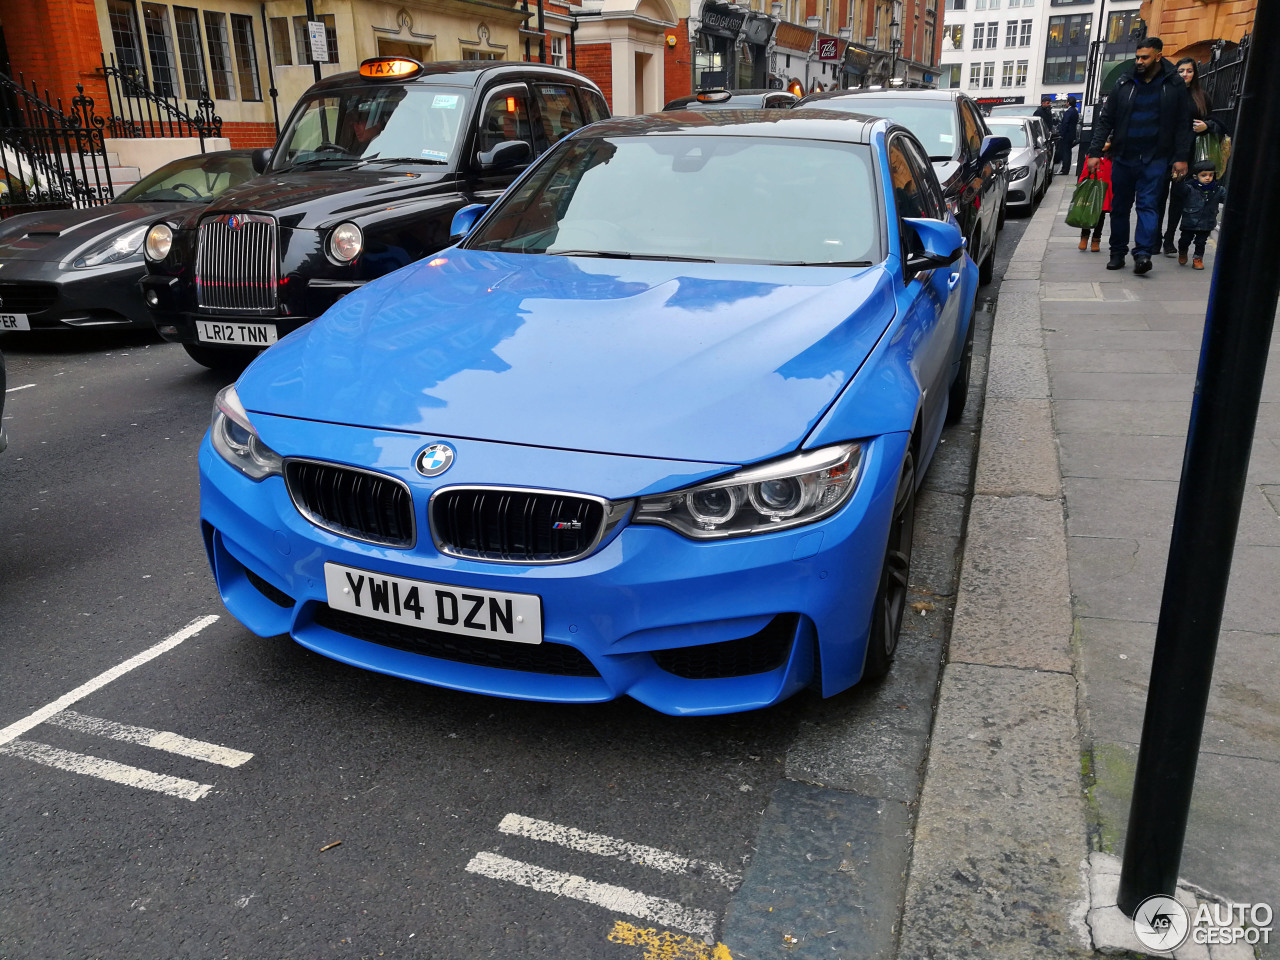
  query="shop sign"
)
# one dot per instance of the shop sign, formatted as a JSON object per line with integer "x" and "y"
{"x": 829, "y": 49}
{"x": 998, "y": 101}
{"x": 722, "y": 22}
{"x": 758, "y": 31}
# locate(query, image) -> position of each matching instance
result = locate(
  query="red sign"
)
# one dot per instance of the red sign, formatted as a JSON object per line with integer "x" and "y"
{"x": 828, "y": 48}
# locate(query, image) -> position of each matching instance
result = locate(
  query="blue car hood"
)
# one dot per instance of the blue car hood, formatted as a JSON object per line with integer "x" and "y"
{"x": 709, "y": 362}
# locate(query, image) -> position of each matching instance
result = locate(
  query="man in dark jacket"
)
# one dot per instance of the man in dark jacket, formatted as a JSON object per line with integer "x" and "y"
{"x": 1045, "y": 113}
{"x": 1067, "y": 128}
{"x": 1148, "y": 119}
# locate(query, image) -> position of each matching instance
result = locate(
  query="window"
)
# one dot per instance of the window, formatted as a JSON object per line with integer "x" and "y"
{"x": 555, "y": 53}
{"x": 971, "y": 127}
{"x": 1065, "y": 69}
{"x": 594, "y": 105}
{"x": 303, "y": 37}
{"x": 908, "y": 198}
{"x": 975, "y": 74}
{"x": 1067, "y": 3}
{"x": 954, "y": 5}
{"x": 560, "y": 114}
{"x": 951, "y": 73}
{"x": 505, "y": 117}
{"x": 281, "y": 46}
{"x": 1020, "y": 75}
{"x": 124, "y": 34}
{"x": 995, "y": 4}
{"x": 190, "y": 52}
{"x": 1024, "y": 35}
{"x": 480, "y": 55}
{"x": 979, "y": 4}
{"x": 993, "y": 34}
{"x": 953, "y": 36}
{"x": 1069, "y": 31}
{"x": 215, "y": 31}
{"x": 1125, "y": 27}
{"x": 1006, "y": 74}
{"x": 1011, "y": 33}
{"x": 979, "y": 36}
{"x": 246, "y": 56}
{"x": 155, "y": 22}
{"x": 988, "y": 74}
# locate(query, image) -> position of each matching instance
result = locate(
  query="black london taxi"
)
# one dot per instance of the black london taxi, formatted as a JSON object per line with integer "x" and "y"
{"x": 365, "y": 178}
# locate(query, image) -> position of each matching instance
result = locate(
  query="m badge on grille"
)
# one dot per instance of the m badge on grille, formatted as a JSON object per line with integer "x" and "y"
{"x": 435, "y": 460}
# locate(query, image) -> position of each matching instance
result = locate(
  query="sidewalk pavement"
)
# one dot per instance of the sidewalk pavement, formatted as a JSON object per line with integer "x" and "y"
{"x": 1032, "y": 755}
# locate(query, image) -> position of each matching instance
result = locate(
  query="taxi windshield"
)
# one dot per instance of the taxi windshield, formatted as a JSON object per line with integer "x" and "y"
{"x": 386, "y": 123}
{"x": 720, "y": 198}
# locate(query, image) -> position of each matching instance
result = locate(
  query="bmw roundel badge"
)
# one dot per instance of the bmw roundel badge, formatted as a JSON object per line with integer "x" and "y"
{"x": 435, "y": 460}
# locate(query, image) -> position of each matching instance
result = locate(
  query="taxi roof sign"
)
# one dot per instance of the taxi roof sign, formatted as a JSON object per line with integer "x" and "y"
{"x": 390, "y": 68}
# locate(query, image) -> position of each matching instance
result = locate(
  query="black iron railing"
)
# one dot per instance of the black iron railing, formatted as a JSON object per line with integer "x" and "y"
{"x": 138, "y": 111}
{"x": 1223, "y": 80}
{"x": 50, "y": 158}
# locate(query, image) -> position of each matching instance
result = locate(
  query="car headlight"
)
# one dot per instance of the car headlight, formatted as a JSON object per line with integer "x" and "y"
{"x": 775, "y": 496}
{"x": 120, "y": 247}
{"x": 159, "y": 242}
{"x": 1017, "y": 173}
{"x": 235, "y": 438}
{"x": 346, "y": 242}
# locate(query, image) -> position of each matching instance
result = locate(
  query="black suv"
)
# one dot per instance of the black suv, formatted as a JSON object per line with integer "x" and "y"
{"x": 969, "y": 161}
{"x": 365, "y": 178}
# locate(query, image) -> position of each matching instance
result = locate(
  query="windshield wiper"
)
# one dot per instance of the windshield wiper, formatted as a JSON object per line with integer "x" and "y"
{"x": 377, "y": 159}
{"x": 306, "y": 163}
{"x": 822, "y": 263}
{"x": 624, "y": 255}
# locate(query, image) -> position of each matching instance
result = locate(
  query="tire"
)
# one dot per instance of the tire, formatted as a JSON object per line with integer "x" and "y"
{"x": 227, "y": 359}
{"x": 959, "y": 392}
{"x": 987, "y": 268}
{"x": 890, "y": 606}
{"x": 1004, "y": 212}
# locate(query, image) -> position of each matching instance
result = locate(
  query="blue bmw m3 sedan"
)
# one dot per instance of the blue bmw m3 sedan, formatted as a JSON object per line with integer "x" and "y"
{"x": 652, "y": 427}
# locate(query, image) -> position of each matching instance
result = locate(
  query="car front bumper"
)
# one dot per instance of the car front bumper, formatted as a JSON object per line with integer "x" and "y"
{"x": 55, "y": 297}
{"x": 647, "y": 596}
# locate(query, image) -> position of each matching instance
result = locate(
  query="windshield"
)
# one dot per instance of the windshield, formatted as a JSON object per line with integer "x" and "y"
{"x": 196, "y": 179}
{"x": 720, "y": 198}
{"x": 1016, "y": 131}
{"x": 406, "y": 123}
{"x": 1014, "y": 110}
{"x": 932, "y": 121}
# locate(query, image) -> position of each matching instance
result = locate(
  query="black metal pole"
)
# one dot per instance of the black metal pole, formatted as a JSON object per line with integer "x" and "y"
{"x": 315, "y": 64}
{"x": 271, "y": 73}
{"x": 1237, "y": 339}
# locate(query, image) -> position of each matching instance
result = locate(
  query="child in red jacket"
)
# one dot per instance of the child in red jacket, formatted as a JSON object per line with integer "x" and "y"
{"x": 1104, "y": 174}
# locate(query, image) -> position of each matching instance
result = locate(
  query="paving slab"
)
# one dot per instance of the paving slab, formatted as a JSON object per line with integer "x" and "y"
{"x": 1120, "y": 456}
{"x": 1126, "y": 361}
{"x": 1128, "y": 417}
{"x": 1114, "y": 385}
{"x": 1017, "y": 372}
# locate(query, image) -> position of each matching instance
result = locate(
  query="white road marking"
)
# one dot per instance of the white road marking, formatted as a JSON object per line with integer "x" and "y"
{"x": 604, "y": 846}
{"x": 157, "y": 739}
{"x": 15, "y": 730}
{"x": 23, "y": 387}
{"x": 105, "y": 769}
{"x": 618, "y": 899}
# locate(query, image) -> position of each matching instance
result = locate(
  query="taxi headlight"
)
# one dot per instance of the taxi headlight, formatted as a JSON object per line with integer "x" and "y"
{"x": 236, "y": 440}
{"x": 346, "y": 242}
{"x": 159, "y": 242}
{"x": 775, "y": 496}
{"x": 120, "y": 247}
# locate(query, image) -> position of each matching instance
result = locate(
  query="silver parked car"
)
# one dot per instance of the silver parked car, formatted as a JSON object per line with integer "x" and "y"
{"x": 1030, "y": 160}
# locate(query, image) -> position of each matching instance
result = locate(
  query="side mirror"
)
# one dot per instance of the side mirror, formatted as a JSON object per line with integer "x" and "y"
{"x": 993, "y": 149}
{"x": 260, "y": 158}
{"x": 465, "y": 219}
{"x": 508, "y": 153}
{"x": 940, "y": 242}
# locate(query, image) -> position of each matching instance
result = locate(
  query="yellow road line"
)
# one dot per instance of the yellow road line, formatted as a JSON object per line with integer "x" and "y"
{"x": 665, "y": 945}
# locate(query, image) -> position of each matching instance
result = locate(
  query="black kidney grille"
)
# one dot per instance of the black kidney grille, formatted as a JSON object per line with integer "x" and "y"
{"x": 27, "y": 297}
{"x": 515, "y": 525}
{"x": 353, "y": 503}
{"x": 552, "y": 658}
{"x": 758, "y": 653}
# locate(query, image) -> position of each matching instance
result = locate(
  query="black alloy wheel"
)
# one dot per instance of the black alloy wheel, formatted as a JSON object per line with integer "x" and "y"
{"x": 987, "y": 268}
{"x": 959, "y": 392}
{"x": 890, "y": 606}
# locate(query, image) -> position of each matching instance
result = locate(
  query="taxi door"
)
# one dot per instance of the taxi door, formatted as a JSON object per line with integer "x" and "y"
{"x": 505, "y": 114}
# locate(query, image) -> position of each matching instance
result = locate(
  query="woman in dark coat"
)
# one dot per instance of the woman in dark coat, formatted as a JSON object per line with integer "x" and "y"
{"x": 1202, "y": 121}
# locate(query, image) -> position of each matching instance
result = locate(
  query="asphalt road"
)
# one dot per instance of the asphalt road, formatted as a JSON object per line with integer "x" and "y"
{"x": 304, "y": 808}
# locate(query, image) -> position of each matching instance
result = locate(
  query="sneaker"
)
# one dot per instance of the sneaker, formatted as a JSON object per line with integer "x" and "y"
{"x": 1096, "y": 245}
{"x": 1197, "y": 263}
{"x": 1141, "y": 265}
{"x": 1116, "y": 262}
{"x": 1169, "y": 249}
{"x": 1182, "y": 258}
{"x": 1084, "y": 242}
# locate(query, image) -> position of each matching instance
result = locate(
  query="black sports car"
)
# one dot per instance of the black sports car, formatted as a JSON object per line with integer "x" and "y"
{"x": 63, "y": 269}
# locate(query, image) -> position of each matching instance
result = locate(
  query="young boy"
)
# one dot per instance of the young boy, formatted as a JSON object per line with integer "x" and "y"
{"x": 1202, "y": 195}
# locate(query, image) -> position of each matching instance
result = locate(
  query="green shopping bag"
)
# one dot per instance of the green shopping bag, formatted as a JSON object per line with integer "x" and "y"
{"x": 1210, "y": 146}
{"x": 1086, "y": 203}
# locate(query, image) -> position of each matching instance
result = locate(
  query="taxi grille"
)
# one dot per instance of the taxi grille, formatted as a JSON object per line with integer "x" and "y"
{"x": 352, "y": 503}
{"x": 515, "y": 526}
{"x": 558, "y": 659}
{"x": 236, "y": 266}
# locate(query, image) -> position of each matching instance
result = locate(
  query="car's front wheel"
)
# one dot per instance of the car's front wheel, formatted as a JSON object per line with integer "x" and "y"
{"x": 890, "y": 606}
{"x": 219, "y": 358}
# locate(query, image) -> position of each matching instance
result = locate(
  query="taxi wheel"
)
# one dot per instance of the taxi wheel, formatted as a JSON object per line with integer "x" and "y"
{"x": 890, "y": 606}
{"x": 219, "y": 358}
